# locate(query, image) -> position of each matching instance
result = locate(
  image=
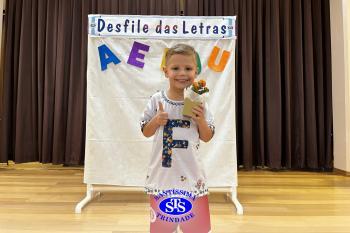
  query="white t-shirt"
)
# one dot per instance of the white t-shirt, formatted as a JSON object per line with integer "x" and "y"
{"x": 175, "y": 162}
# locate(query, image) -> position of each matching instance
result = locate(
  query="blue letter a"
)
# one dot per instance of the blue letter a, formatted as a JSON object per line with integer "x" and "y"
{"x": 106, "y": 56}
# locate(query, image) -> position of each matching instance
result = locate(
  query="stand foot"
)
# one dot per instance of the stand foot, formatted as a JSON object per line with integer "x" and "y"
{"x": 90, "y": 195}
{"x": 239, "y": 207}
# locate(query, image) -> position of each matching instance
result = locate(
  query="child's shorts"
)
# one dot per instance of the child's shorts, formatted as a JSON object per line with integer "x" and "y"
{"x": 196, "y": 220}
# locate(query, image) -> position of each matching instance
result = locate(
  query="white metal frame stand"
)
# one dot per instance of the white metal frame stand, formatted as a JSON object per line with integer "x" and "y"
{"x": 91, "y": 194}
{"x": 234, "y": 199}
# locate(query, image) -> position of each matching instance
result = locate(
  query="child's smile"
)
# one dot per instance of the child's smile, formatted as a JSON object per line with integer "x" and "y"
{"x": 182, "y": 80}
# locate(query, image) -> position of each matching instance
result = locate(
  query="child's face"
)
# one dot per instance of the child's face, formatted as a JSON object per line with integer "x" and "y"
{"x": 181, "y": 71}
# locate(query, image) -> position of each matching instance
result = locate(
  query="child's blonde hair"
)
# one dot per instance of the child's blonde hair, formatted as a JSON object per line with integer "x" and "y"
{"x": 182, "y": 49}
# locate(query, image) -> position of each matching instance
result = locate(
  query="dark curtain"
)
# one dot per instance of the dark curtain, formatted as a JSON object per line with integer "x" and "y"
{"x": 44, "y": 102}
{"x": 284, "y": 98}
{"x": 283, "y": 78}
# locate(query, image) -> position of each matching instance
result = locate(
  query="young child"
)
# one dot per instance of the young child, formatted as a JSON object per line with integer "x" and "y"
{"x": 175, "y": 168}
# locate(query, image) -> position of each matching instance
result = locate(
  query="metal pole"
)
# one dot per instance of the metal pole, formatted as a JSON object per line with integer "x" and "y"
{"x": 182, "y": 7}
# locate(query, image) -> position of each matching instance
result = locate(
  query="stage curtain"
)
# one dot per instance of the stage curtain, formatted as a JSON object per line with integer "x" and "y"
{"x": 283, "y": 78}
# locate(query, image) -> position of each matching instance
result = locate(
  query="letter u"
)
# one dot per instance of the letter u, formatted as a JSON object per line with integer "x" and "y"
{"x": 223, "y": 61}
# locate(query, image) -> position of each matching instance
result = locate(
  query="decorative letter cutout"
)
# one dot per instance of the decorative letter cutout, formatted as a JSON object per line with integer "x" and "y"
{"x": 223, "y": 61}
{"x": 199, "y": 65}
{"x": 106, "y": 56}
{"x": 134, "y": 54}
{"x": 163, "y": 59}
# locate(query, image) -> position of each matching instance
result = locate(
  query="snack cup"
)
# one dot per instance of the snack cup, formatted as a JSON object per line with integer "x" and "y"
{"x": 191, "y": 100}
{"x": 188, "y": 105}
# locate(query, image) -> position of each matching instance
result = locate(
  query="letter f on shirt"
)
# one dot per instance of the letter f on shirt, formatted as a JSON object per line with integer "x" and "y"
{"x": 169, "y": 143}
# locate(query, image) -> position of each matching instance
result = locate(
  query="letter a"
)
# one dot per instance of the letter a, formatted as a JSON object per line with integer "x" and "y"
{"x": 106, "y": 56}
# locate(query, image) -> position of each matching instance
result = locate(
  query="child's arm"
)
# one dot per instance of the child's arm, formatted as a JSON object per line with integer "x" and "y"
{"x": 205, "y": 132}
{"x": 159, "y": 119}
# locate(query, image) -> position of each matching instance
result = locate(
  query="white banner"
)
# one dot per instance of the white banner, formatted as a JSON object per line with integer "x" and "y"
{"x": 122, "y": 75}
{"x": 216, "y": 27}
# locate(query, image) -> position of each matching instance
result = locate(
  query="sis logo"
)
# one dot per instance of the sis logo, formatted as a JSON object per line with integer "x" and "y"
{"x": 175, "y": 206}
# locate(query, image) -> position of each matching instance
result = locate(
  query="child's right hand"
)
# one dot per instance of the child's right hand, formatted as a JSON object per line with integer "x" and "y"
{"x": 161, "y": 117}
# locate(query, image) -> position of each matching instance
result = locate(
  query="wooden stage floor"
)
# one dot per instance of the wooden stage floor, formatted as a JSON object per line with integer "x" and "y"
{"x": 36, "y": 198}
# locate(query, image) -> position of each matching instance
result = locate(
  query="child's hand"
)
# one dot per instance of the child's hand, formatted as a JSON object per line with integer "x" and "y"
{"x": 161, "y": 117}
{"x": 205, "y": 132}
{"x": 198, "y": 114}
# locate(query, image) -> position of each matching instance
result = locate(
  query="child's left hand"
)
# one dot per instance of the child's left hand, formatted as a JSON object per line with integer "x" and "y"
{"x": 198, "y": 113}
